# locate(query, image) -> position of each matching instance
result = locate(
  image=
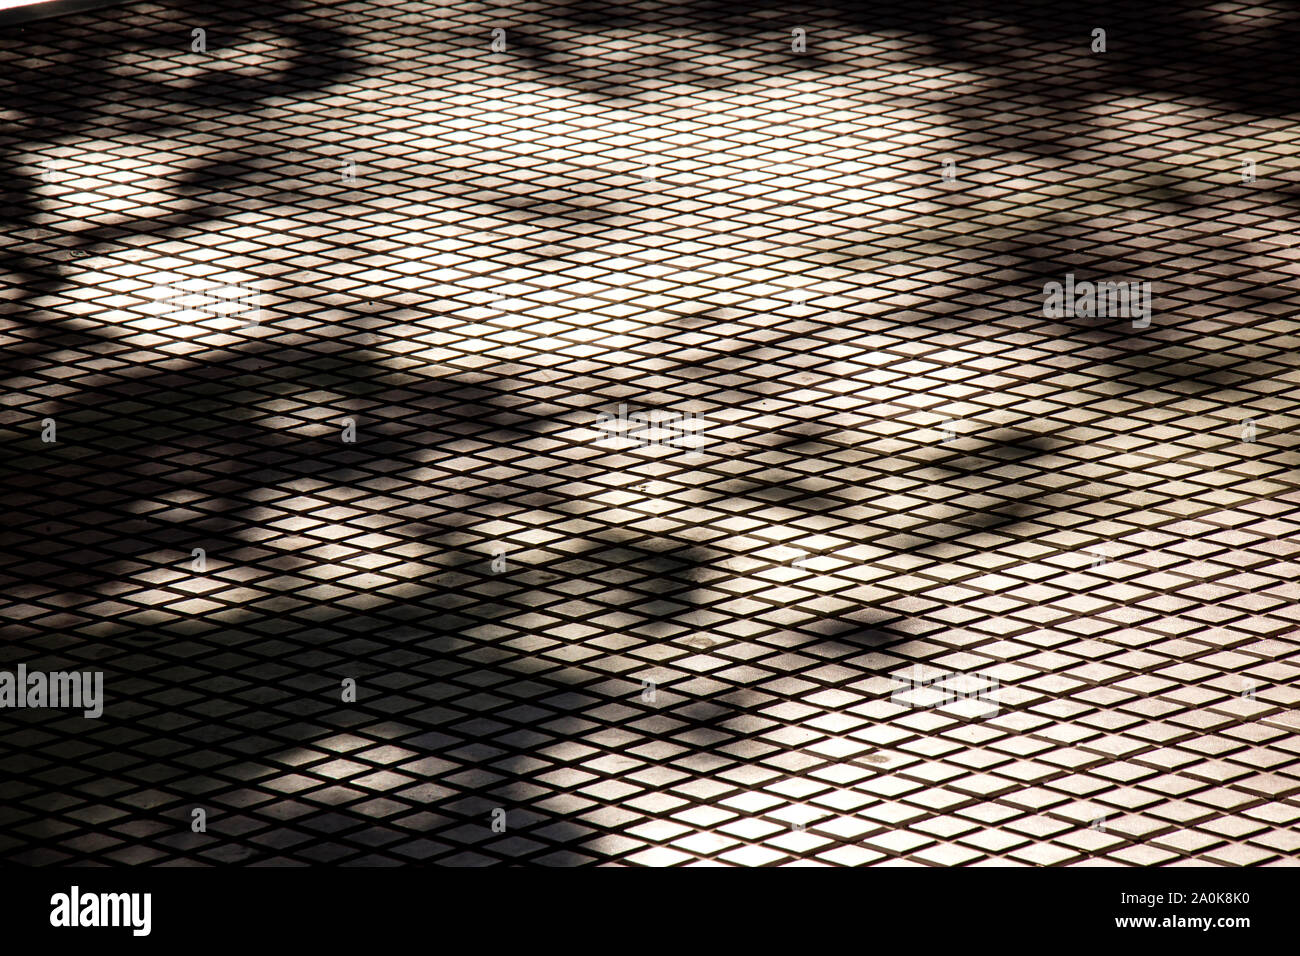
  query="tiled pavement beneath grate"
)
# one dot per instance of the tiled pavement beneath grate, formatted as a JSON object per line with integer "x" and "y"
{"x": 326, "y": 334}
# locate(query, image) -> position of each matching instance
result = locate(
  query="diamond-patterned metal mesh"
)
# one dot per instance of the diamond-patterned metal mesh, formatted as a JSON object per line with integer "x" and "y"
{"x": 690, "y": 647}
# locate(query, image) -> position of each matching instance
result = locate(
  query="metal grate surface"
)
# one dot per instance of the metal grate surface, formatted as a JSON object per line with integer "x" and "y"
{"x": 340, "y": 300}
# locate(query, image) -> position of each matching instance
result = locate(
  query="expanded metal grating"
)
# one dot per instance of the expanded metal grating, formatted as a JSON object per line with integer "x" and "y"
{"x": 338, "y": 294}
